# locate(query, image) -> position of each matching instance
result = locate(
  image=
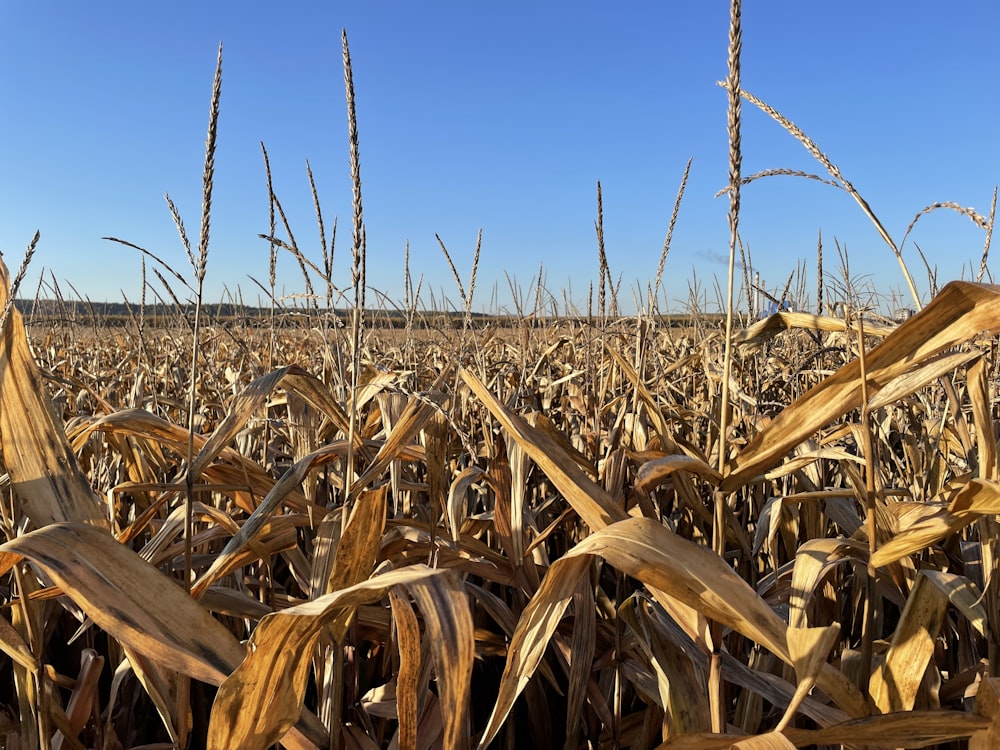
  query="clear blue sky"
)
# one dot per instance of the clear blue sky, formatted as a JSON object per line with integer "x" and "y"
{"x": 501, "y": 116}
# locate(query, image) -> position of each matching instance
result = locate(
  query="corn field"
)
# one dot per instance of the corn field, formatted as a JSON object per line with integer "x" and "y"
{"x": 579, "y": 532}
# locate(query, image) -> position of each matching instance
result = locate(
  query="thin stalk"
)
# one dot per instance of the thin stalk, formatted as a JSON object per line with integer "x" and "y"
{"x": 604, "y": 271}
{"x": 199, "y": 265}
{"x": 870, "y": 608}
{"x": 358, "y": 265}
{"x": 717, "y": 689}
{"x": 18, "y": 278}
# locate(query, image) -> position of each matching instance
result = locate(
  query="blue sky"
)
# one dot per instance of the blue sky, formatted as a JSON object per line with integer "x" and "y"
{"x": 497, "y": 116}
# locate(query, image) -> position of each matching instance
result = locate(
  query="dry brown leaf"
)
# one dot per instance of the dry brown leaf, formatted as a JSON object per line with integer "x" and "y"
{"x": 408, "y": 677}
{"x": 418, "y": 411}
{"x": 960, "y": 312}
{"x": 912, "y": 381}
{"x": 769, "y": 741}
{"x": 681, "y": 687}
{"x": 12, "y": 644}
{"x": 228, "y": 559}
{"x": 44, "y": 471}
{"x": 988, "y": 707}
{"x": 358, "y": 547}
{"x": 770, "y": 326}
{"x": 458, "y": 501}
{"x": 895, "y": 684}
{"x": 909, "y": 729}
{"x": 129, "y": 599}
{"x": 594, "y": 505}
{"x": 262, "y": 698}
{"x": 982, "y": 417}
{"x": 967, "y": 503}
{"x": 813, "y": 560}
{"x": 653, "y": 472}
{"x": 581, "y": 661}
{"x": 809, "y": 649}
{"x": 664, "y": 561}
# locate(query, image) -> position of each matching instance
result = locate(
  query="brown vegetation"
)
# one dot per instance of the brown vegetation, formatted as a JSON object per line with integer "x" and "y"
{"x": 592, "y": 532}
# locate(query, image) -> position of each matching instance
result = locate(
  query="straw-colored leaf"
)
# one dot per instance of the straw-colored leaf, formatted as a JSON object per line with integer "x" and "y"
{"x": 228, "y": 559}
{"x": 769, "y": 741}
{"x": 407, "y": 679}
{"x": 967, "y": 503}
{"x": 960, "y": 312}
{"x": 263, "y": 697}
{"x": 812, "y": 562}
{"x": 982, "y": 417}
{"x": 129, "y": 599}
{"x": 987, "y": 707}
{"x": 770, "y": 326}
{"x": 12, "y": 644}
{"x": 895, "y": 684}
{"x": 963, "y": 595}
{"x": 595, "y": 506}
{"x": 653, "y": 472}
{"x": 909, "y": 729}
{"x": 646, "y": 550}
{"x": 418, "y": 411}
{"x": 457, "y": 499}
{"x": 912, "y": 381}
{"x": 358, "y": 547}
{"x": 809, "y": 649}
{"x": 581, "y": 658}
{"x": 43, "y": 470}
{"x": 681, "y": 687}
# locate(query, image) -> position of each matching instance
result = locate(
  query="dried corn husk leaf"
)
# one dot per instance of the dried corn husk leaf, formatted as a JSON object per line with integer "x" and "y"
{"x": 963, "y": 595}
{"x": 988, "y": 707}
{"x": 979, "y": 497}
{"x": 581, "y": 658}
{"x": 960, "y": 312}
{"x": 408, "y": 677}
{"x": 809, "y": 649}
{"x": 457, "y": 500}
{"x": 769, "y": 741}
{"x": 770, "y": 326}
{"x": 129, "y": 599}
{"x": 418, "y": 411}
{"x": 895, "y": 684}
{"x": 681, "y": 687}
{"x": 653, "y": 472}
{"x": 358, "y": 547}
{"x": 596, "y": 507}
{"x": 12, "y": 644}
{"x": 43, "y": 470}
{"x": 812, "y": 561}
{"x": 667, "y": 563}
{"x": 910, "y": 729}
{"x": 263, "y": 697}
{"x": 928, "y": 372}
{"x": 229, "y": 558}
{"x": 982, "y": 417}
{"x": 84, "y": 696}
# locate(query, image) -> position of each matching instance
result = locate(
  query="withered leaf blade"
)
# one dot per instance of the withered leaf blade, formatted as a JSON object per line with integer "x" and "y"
{"x": 961, "y": 311}
{"x": 896, "y": 684}
{"x": 667, "y": 563}
{"x": 130, "y": 599}
{"x": 263, "y": 697}
{"x": 596, "y": 507}
{"x": 43, "y": 469}
{"x": 976, "y": 498}
{"x": 910, "y": 729}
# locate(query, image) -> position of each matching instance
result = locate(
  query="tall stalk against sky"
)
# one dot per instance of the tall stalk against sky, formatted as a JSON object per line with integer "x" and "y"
{"x": 735, "y": 163}
{"x": 199, "y": 265}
